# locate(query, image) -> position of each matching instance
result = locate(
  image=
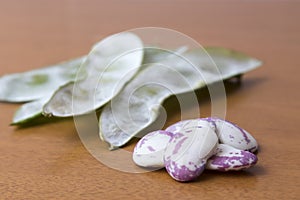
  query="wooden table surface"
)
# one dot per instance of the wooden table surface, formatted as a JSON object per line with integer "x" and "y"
{"x": 50, "y": 162}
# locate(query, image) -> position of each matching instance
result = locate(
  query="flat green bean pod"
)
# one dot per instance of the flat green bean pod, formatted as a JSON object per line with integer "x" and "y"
{"x": 108, "y": 60}
{"x": 137, "y": 105}
{"x": 30, "y": 111}
{"x": 35, "y": 84}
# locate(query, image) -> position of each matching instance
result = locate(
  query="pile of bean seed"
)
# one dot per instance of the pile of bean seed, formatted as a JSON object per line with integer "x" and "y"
{"x": 188, "y": 147}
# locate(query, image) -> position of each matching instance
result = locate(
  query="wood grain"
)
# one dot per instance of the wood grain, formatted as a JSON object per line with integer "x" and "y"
{"x": 49, "y": 161}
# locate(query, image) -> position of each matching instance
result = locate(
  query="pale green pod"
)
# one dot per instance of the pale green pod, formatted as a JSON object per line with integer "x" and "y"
{"x": 30, "y": 111}
{"x": 105, "y": 65}
{"x": 136, "y": 107}
{"x": 35, "y": 84}
{"x": 230, "y": 63}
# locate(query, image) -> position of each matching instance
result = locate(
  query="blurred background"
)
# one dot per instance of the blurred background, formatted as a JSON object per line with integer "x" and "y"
{"x": 39, "y": 32}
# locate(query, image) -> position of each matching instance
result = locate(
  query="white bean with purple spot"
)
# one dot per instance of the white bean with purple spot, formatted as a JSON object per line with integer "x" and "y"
{"x": 175, "y": 128}
{"x": 229, "y": 158}
{"x": 186, "y": 154}
{"x": 187, "y": 147}
{"x": 228, "y": 133}
{"x": 233, "y": 135}
{"x": 149, "y": 151}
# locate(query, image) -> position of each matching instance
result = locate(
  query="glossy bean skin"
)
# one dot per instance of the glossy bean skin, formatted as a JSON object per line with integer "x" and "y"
{"x": 227, "y": 132}
{"x": 233, "y": 135}
{"x": 175, "y": 128}
{"x": 188, "y": 147}
{"x": 186, "y": 154}
{"x": 149, "y": 151}
{"x": 229, "y": 158}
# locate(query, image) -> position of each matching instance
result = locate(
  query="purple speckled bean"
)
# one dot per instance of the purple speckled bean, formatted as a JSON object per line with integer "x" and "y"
{"x": 228, "y": 133}
{"x": 149, "y": 151}
{"x": 186, "y": 154}
{"x": 233, "y": 135}
{"x": 229, "y": 158}
{"x": 184, "y": 173}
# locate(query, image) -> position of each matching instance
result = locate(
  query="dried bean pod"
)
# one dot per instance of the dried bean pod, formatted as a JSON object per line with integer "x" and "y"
{"x": 109, "y": 66}
{"x": 38, "y": 83}
{"x": 152, "y": 85}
